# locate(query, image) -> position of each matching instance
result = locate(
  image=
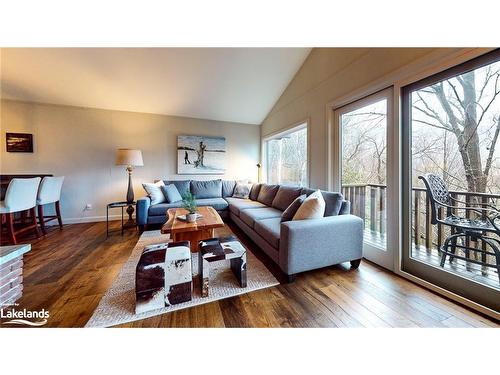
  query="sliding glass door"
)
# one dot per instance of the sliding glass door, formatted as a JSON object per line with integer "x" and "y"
{"x": 363, "y": 168}
{"x": 451, "y": 126}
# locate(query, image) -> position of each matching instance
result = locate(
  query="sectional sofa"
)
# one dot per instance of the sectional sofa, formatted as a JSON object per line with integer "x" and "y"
{"x": 295, "y": 246}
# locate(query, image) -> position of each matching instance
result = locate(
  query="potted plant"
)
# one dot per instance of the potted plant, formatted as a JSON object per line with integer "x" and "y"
{"x": 189, "y": 204}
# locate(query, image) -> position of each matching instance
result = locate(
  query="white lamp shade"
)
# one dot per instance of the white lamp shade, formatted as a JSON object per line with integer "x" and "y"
{"x": 127, "y": 156}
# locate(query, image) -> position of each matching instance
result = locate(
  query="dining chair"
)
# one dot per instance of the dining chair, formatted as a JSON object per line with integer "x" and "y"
{"x": 49, "y": 192}
{"x": 20, "y": 197}
{"x": 479, "y": 224}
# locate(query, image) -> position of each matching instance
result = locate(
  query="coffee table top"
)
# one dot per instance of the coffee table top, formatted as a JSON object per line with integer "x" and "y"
{"x": 211, "y": 219}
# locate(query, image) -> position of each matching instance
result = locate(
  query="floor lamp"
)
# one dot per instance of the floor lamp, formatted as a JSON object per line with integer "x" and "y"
{"x": 131, "y": 158}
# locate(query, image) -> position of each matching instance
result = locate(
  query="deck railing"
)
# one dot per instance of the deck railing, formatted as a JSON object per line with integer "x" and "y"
{"x": 368, "y": 201}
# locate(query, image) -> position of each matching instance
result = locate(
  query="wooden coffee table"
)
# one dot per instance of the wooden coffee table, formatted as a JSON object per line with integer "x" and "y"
{"x": 203, "y": 228}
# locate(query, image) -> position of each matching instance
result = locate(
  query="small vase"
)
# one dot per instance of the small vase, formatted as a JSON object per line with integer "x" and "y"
{"x": 191, "y": 218}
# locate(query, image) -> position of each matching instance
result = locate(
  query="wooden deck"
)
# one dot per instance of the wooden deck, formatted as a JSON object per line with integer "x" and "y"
{"x": 484, "y": 275}
{"x": 68, "y": 272}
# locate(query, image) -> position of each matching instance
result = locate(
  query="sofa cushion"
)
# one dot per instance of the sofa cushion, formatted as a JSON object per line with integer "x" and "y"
{"x": 251, "y": 215}
{"x": 242, "y": 190}
{"x": 228, "y": 188}
{"x": 333, "y": 201}
{"x": 267, "y": 194}
{"x": 254, "y": 193}
{"x": 161, "y": 209}
{"x": 290, "y": 211}
{"x": 171, "y": 193}
{"x": 313, "y": 207}
{"x": 269, "y": 229}
{"x": 206, "y": 189}
{"x": 181, "y": 185}
{"x": 285, "y": 196}
{"x": 236, "y": 205}
{"x": 218, "y": 203}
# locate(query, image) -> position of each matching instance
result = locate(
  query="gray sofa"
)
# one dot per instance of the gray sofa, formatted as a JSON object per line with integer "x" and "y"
{"x": 295, "y": 246}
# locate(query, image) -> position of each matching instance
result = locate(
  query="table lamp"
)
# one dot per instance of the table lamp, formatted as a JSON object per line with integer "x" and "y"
{"x": 131, "y": 158}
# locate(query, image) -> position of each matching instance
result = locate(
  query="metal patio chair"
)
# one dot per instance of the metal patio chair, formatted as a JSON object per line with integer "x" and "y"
{"x": 475, "y": 229}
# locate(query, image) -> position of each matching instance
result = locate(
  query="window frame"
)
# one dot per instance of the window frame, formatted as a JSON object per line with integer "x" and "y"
{"x": 456, "y": 284}
{"x": 281, "y": 133}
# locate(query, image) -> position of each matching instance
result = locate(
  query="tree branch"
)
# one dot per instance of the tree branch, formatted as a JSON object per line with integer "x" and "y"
{"x": 492, "y": 149}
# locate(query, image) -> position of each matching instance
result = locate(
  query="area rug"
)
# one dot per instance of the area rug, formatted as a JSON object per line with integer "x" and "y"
{"x": 118, "y": 304}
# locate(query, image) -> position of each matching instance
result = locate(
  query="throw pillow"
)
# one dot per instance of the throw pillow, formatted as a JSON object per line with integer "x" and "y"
{"x": 155, "y": 192}
{"x": 285, "y": 196}
{"x": 242, "y": 190}
{"x": 254, "y": 193}
{"x": 313, "y": 207}
{"x": 290, "y": 211}
{"x": 267, "y": 194}
{"x": 171, "y": 193}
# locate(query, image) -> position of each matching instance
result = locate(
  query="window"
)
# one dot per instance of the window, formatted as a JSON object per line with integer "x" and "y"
{"x": 286, "y": 157}
{"x": 451, "y": 127}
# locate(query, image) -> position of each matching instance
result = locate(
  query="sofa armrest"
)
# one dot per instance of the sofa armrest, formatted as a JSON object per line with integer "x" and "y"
{"x": 142, "y": 209}
{"x": 316, "y": 243}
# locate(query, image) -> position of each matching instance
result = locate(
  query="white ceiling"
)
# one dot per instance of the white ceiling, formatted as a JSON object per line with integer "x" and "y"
{"x": 225, "y": 84}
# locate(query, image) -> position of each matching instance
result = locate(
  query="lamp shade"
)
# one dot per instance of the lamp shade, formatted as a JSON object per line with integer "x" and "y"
{"x": 127, "y": 156}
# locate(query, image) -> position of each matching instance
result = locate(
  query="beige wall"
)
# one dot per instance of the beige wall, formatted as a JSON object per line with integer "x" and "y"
{"x": 80, "y": 144}
{"x": 329, "y": 74}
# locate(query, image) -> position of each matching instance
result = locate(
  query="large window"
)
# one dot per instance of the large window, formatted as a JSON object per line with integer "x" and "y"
{"x": 286, "y": 157}
{"x": 451, "y": 130}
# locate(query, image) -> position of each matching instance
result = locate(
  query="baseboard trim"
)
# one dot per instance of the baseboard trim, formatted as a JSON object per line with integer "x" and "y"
{"x": 91, "y": 219}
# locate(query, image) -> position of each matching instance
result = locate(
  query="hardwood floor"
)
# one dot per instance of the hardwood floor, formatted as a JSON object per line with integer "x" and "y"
{"x": 67, "y": 272}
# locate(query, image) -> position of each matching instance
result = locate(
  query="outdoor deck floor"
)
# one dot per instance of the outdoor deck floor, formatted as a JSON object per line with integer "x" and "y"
{"x": 484, "y": 275}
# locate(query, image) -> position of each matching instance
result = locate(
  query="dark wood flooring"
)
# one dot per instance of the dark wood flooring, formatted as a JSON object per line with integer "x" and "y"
{"x": 67, "y": 272}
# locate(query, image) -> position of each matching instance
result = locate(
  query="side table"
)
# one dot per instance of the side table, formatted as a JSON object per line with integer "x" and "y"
{"x": 121, "y": 205}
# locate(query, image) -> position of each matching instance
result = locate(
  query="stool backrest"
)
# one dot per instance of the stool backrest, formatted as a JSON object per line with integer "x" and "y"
{"x": 50, "y": 190}
{"x": 21, "y": 194}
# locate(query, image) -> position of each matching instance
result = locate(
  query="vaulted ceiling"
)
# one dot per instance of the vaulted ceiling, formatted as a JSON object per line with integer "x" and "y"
{"x": 225, "y": 84}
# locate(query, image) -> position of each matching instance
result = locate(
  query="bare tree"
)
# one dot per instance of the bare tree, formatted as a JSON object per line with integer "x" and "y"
{"x": 463, "y": 106}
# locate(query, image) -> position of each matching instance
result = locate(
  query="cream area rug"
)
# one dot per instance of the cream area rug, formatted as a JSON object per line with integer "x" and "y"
{"x": 118, "y": 304}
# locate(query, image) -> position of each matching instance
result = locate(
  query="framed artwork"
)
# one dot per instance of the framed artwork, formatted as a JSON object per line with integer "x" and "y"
{"x": 19, "y": 142}
{"x": 201, "y": 155}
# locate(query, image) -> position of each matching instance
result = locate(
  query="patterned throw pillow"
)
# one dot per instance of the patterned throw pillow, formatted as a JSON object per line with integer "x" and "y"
{"x": 242, "y": 190}
{"x": 290, "y": 211}
{"x": 155, "y": 192}
{"x": 313, "y": 207}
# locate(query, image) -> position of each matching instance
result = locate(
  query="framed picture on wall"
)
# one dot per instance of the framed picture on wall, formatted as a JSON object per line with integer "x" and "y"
{"x": 201, "y": 155}
{"x": 19, "y": 142}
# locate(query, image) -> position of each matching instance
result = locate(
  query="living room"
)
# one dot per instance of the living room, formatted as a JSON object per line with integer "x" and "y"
{"x": 235, "y": 185}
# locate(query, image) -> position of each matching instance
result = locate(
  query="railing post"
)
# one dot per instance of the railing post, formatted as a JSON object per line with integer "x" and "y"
{"x": 373, "y": 200}
{"x": 417, "y": 218}
{"x": 467, "y": 215}
{"x": 356, "y": 200}
{"x": 428, "y": 224}
{"x": 484, "y": 259}
{"x": 382, "y": 209}
{"x": 362, "y": 202}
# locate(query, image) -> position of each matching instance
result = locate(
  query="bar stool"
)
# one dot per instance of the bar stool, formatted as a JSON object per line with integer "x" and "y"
{"x": 19, "y": 197}
{"x": 49, "y": 192}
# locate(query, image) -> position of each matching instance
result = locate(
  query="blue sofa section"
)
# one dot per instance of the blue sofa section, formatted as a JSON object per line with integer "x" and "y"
{"x": 296, "y": 246}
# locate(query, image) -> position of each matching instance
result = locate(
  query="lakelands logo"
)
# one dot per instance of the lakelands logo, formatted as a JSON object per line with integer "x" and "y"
{"x": 25, "y": 317}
